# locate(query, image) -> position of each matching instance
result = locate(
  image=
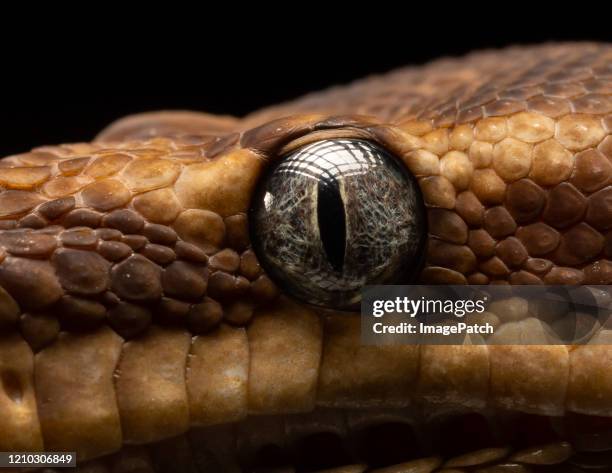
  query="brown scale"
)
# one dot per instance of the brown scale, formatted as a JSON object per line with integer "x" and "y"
{"x": 147, "y": 233}
{"x": 200, "y": 452}
{"x": 102, "y": 248}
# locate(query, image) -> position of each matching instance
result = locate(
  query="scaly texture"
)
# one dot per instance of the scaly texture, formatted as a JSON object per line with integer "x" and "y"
{"x": 113, "y": 254}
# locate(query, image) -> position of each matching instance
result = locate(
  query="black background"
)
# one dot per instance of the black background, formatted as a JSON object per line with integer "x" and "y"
{"x": 69, "y": 90}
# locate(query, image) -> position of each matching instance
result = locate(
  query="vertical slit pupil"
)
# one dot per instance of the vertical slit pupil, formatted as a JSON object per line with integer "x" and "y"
{"x": 332, "y": 223}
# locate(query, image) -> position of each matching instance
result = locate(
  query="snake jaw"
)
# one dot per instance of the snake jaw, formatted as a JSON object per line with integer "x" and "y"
{"x": 129, "y": 246}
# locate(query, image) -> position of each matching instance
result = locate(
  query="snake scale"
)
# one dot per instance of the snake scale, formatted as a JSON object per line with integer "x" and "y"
{"x": 139, "y": 329}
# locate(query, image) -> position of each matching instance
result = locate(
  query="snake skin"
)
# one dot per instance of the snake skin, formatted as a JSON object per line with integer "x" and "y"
{"x": 133, "y": 310}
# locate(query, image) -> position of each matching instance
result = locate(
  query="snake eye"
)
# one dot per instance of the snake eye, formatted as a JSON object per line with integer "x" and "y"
{"x": 334, "y": 216}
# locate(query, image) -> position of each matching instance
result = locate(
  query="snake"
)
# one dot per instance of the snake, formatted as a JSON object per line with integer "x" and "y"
{"x": 179, "y": 293}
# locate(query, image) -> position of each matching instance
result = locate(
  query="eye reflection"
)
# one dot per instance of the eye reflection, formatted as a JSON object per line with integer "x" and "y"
{"x": 334, "y": 216}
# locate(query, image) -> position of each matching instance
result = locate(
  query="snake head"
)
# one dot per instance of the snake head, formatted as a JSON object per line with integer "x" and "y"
{"x": 187, "y": 279}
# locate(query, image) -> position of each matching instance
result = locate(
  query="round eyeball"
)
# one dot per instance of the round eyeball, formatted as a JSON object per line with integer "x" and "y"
{"x": 337, "y": 215}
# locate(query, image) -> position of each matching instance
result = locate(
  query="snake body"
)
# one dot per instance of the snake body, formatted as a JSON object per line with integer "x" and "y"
{"x": 139, "y": 330}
